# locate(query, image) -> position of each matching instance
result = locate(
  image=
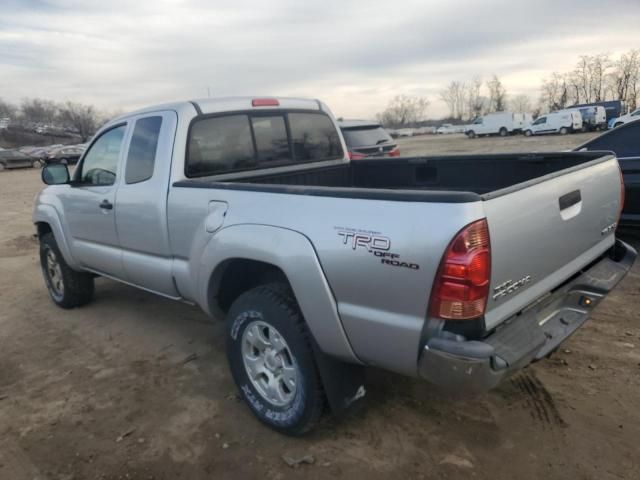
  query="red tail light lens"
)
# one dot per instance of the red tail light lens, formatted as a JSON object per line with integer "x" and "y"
{"x": 461, "y": 286}
{"x": 356, "y": 156}
{"x": 265, "y": 102}
{"x": 395, "y": 152}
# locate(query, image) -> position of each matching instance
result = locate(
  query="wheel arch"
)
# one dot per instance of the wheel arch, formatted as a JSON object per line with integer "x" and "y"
{"x": 246, "y": 256}
{"x": 46, "y": 220}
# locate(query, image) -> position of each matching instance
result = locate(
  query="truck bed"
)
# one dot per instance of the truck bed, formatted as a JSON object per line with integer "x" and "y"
{"x": 437, "y": 179}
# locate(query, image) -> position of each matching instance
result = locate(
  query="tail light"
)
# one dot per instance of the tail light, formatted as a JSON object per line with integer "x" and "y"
{"x": 394, "y": 153}
{"x": 461, "y": 286}
{"x": 356, "y": 156}
{"x": 621, "y": 191}
{"x": 265, "y": 102}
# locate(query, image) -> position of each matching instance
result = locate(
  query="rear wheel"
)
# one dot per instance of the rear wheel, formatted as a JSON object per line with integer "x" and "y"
{"x": 1, "y": 166}
{"x": 564, "y": 131}
{"x": 503, "y": 132}
{"x": 67, "y": 288}
{"x": 471, "y": 134}
{"x": 271, "y": 359}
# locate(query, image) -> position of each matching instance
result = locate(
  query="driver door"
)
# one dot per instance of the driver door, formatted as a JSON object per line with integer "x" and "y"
{"x": 89, "y": 202}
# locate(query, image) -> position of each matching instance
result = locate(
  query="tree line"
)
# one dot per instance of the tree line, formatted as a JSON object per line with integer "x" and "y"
{"x": 74, "y": 117}
{"x": 594, "y": 78}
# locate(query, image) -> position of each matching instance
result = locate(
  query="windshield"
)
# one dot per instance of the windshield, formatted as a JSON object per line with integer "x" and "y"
{"x": 365, "y": 136}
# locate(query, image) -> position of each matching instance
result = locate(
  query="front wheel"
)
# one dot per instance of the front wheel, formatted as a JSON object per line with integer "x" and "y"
{"x": 471, "y": 134}
{"x": 36, "y": 163}
{"x": 271, "y": 359}
{"x": 528, "y": 133}
{"x": 564, "y": 131}
{"x": 67, "y": 288}
{"x": 618, "y": 124}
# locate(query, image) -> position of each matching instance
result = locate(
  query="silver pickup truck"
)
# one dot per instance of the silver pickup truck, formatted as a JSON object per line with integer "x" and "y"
{"x": 458, "y": 269}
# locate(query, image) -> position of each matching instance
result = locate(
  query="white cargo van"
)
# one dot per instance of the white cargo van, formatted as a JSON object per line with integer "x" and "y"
{"x": 561, "y": 122}
{"x": 498, "y": 123}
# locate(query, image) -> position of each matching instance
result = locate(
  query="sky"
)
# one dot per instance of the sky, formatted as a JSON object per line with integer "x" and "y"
{"x": 354, "y": 55}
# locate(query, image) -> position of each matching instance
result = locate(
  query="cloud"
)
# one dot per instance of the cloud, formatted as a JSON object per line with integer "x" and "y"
{"x": 354, "y": 55}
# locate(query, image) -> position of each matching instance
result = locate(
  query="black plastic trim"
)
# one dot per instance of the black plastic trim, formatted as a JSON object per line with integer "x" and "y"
{"x": 339, "y": 192}
{"x": 197, "y": 107}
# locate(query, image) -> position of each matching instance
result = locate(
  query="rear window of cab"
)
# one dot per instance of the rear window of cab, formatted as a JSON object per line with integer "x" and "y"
{"x": 253, "y": 140}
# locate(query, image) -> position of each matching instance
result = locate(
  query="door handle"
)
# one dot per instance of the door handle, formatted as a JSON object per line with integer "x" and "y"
{"x": 106, "y": 205}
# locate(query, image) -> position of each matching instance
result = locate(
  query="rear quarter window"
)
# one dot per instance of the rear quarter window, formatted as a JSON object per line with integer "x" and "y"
{"x": 314, "y": 137}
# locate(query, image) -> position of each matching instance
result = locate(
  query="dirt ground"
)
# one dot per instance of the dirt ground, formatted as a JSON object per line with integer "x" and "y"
{"x": 136, "y": 386}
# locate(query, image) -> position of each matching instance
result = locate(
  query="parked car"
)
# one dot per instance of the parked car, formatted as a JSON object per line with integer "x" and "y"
{"x": 423, "y": 266}
{"x": 629, "y": 117}
{"x": 498, "y": 123}
{"x": 624, "y": 141}
{"x": 447, "y": 128}
{"x": 367, "y": 139}
{"x": 405, "y": 132}
{"x": 67, "y": 155}
{"x": 16, "y": 159}
{"x": 562, "y": 122}
{"x": 593, "y": 118}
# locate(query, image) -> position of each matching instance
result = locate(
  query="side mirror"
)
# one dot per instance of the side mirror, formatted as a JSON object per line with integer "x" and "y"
{"x": 56, "y": 174}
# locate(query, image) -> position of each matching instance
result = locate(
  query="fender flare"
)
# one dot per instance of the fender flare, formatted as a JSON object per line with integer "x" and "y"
{"x": 294, "y": 254}
{"x": 45, "y": 213}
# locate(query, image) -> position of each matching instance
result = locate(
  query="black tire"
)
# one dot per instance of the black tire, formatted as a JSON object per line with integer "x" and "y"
{"x": 618, "y": 124}
{"x": 273, "y": 305}
{"x": 77, "y": 287}
{"x": 564, "y": 131}
{"x": 503, "y": 132}
{"x": 36, "y": 163}
{"x": 528, "y": 133}
{"x": 1, "y": 167}
{"x": 471, "y": 134}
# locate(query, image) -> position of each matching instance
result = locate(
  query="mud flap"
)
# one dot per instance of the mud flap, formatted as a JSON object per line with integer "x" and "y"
{"x": 343, "y": 382}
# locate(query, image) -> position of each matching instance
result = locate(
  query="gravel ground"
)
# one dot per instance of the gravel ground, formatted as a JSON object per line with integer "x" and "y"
{"x": 136, "y": 386}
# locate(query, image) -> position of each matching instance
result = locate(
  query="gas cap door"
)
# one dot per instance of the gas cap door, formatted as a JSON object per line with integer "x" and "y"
{"x": 215, "y": 217}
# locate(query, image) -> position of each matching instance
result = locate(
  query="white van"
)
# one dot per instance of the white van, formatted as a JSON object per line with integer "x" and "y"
{"x": 561, "y": 122}
{"x": 498, "y": 123}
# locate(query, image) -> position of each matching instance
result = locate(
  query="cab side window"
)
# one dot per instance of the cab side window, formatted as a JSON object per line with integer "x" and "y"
{"x": 100, "y": 164}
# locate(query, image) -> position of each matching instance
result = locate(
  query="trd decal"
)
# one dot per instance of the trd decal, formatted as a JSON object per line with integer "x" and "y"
{"x": 374, "y": 243}
{"x": 364, "y": 240}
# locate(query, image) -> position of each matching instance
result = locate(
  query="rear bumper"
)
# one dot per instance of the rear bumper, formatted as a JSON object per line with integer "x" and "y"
{"x": 456, "y": 365}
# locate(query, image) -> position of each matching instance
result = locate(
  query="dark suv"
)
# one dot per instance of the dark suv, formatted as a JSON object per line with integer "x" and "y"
{"x": 367, "y": 139}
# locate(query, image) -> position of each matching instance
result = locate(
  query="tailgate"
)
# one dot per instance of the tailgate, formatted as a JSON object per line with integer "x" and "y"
{"x": 544, "y": 231}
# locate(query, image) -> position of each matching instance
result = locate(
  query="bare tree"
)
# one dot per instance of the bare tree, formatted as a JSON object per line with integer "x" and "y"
{"x": 83, "y": 119}
{"x": 454, "y": 96}
{"x": 38, "y": 110}
{"x": 588, "y": 78}
{"x": 476, "y": 103}
{"x": 403, "y": 111}
{"x": 520, "y": 104}
{"x": 7, "y": 109}
{"x": 625, "y": 77}
{"x": 555, "y": 92}
{"x": 497, "y": 95}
